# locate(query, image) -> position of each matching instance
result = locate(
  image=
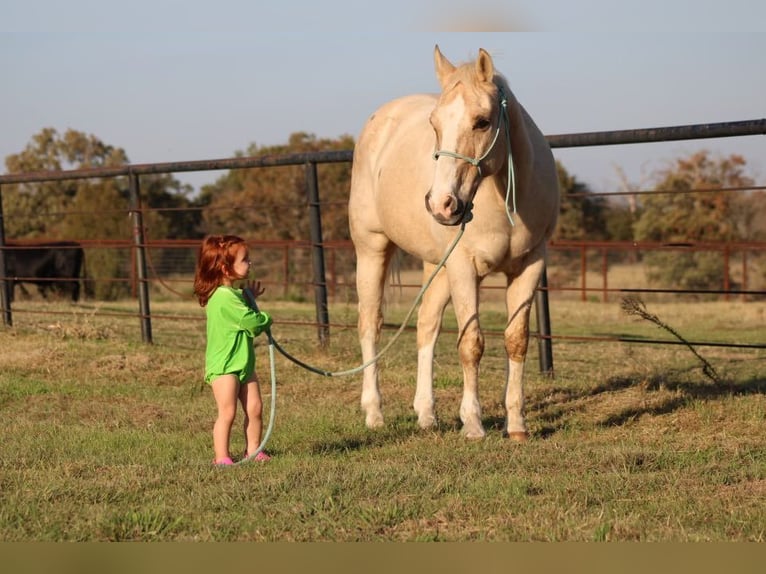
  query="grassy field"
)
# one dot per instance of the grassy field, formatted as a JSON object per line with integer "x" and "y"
{"x": 106, "y": 438}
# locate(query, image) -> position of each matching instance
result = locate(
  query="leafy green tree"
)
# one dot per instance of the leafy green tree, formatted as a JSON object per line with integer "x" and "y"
{"x": 582, "y": 217}
{"x": 85, "y": 209}
{"x": 271, "y": 203}
{"x": 749, "y": 213}
{"x": 619, "y": 222}
{"x": 78, "y": 209}
{"x": 172, "y": 210}
{"x": 581, "y": 214}
{"x": 705, "y": 215}
{"x": 169, "y": 213}
{"x": 36, "y": 209}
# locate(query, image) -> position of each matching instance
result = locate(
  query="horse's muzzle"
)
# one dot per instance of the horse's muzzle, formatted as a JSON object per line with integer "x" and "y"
{"x": 452, "y": 212}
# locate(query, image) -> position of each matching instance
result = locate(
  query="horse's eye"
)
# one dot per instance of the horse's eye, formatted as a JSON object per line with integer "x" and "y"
{"x": 481, "y": 124}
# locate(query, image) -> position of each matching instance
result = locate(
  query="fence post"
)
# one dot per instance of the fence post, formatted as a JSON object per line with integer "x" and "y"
{"x": 285, "y": 270}
{"x": 544, "y": 344}
{"x": 744, "y": 273}
{"x": 604, "y": 276}
{"x": 726, "y": 282}
{"x": 317, "y": 254}
{"x": 583, "y": 273}
{"x": 138, "y": 242}
{"x": 5, "y": 285}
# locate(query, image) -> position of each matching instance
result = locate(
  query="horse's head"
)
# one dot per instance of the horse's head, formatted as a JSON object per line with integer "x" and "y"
{"x": 467, "y": 120}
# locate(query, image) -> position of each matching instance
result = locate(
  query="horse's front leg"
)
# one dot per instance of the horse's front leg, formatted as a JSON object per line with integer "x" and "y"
{"x": 370, "y": 279}
{"x": 465, "y": 298}
{"x": 519, "y": 296}
{"x": 430, "y": 316}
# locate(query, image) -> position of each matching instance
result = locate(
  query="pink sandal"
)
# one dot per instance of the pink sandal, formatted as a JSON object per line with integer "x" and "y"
{"x": 260, "y": 457}
{"x": 225, "y": 461}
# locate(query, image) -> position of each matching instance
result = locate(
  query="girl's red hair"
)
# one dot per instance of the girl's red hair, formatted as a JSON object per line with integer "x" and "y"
{"x": 217, "y": 253}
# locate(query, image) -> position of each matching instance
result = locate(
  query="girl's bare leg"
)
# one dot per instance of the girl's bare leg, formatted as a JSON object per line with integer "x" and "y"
{"x": 225, "y": 393}
{"x": 250, "y": 397}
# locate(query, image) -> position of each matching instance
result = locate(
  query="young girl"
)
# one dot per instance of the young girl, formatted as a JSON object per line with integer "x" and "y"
{"x": 231, "y": 326}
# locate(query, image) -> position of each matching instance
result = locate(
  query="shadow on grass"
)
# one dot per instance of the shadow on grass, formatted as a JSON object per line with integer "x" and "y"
{"x": 554, "y": 412}
{"x": 556, "y": 408}
{"x": 395, "y": 430}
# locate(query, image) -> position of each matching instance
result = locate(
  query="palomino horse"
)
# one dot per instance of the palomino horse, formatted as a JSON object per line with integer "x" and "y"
{"x": 423, "y": 164}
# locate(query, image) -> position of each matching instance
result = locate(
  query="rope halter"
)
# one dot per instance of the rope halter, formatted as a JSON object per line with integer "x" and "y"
{"x": 510, "y": 192}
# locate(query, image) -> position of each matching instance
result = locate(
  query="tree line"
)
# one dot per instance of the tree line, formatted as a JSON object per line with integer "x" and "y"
{"x": 270, "y": 204}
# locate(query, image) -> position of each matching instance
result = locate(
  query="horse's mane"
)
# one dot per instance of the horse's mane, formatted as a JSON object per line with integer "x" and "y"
{"x": 466, "y": 73}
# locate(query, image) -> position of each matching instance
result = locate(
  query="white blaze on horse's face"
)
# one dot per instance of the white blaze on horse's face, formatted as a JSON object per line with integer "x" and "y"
{"x": 464, "y": 124}
{"x": 463, "y": 121}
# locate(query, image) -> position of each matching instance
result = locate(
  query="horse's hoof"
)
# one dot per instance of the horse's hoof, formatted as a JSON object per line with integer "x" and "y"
{"x": 518, "y": 436}
{"x": 474, "y": 433}
{"x": 427, "y": 422}
{"x": 374, "y": 421}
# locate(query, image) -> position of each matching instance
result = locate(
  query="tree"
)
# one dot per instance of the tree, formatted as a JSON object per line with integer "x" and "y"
{"x": 581, "y": 217}
{"x": 39, "y": 205}
{"x": 692, "y": 206}
{"x": 581, "y": 214}
{"x": 271, "y": 203}
{"x": 83, "y": 209}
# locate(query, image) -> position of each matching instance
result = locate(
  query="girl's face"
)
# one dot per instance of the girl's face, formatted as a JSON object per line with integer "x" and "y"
{"x": 241, "y": 267}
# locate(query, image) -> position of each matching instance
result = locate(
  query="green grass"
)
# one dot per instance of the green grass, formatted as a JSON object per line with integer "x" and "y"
{"x": 110, "y": 439}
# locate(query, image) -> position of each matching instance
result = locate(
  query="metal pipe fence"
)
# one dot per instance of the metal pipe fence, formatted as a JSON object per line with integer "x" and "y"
{"x": 141, "y": 247}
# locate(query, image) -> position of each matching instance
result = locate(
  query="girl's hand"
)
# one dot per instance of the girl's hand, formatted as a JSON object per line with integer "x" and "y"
{"x": 255, "y": 288}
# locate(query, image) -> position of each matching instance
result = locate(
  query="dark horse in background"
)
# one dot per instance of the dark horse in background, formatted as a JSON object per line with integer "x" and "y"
{"x": 55, "y": 267}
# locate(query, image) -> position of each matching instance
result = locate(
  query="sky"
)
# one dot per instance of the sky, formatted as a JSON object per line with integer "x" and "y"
{"x": 180, "y": 80}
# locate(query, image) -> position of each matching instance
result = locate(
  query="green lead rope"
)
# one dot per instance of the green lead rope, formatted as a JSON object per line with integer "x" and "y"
{"x": 250, "y": 298}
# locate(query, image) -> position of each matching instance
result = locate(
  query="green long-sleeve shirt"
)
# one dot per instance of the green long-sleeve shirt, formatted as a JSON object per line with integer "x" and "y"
{"x": 231, "y": 327}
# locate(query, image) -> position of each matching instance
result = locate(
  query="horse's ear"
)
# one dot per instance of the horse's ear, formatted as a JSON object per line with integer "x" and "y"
{"x": 484, "y": 66}
{"x": 443, "y": 66}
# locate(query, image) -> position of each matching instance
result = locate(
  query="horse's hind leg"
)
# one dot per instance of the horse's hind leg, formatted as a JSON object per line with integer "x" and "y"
{"x": 370, "y": 278}
{"x": 519, "y": 296}
{"x": 430, "y": 316}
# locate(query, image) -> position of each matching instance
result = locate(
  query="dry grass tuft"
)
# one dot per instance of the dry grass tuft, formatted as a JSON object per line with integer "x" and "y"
{"x": 636, "y": 307}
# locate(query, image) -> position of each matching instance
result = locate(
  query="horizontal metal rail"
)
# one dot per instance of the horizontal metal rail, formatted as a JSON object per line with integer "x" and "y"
{"x": 183, "y": 166}
{"x": 660, "y": 134}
